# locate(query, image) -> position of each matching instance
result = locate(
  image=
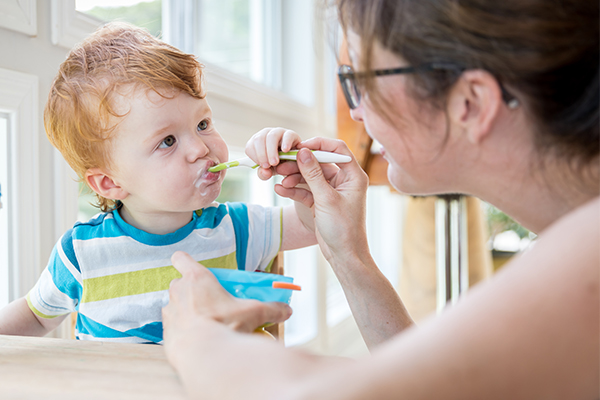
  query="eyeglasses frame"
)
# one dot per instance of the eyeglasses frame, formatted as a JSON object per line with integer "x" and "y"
{"x": 508, "y": 98}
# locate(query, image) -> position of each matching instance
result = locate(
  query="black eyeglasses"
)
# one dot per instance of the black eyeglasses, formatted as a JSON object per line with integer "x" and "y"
{"x": 352, "y": 94}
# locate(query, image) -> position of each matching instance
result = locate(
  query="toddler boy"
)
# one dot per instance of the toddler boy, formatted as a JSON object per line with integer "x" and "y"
{"x": 128, "y": 112}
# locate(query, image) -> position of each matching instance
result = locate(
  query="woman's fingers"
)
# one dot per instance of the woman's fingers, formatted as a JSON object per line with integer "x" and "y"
{"x": 260, "y": 313}
{"x": 265, "y": 173}
{"x": 300, "y": 195}
{"x": 184, "y": 263}
{"x": 276, "y": 312}
{"x": 325, "y": 144}
{"x": 290, "y": 168}
{"x": 313, "y": 174}
{"x": 198, "y": 294}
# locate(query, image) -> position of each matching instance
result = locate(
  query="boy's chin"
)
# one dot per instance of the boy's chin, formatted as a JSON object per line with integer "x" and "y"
{"x": 209, "y": 195}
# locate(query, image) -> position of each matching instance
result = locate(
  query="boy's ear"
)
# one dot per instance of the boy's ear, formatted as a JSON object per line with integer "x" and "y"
{"x": 475, "y": 103}
{"x": 101, "y": 183}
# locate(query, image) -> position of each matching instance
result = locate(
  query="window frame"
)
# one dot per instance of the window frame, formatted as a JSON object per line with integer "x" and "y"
{"x": 19, "y": 99}
{"x": 19, "y": 16}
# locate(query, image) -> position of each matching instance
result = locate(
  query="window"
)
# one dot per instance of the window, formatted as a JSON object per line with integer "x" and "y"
{"x": 4, "y": 210}
{"x": 241, "y": 36}
{"x": 143, "y": 13}
{"x": 19, "y": 216}
{"x": 224, "y": 36}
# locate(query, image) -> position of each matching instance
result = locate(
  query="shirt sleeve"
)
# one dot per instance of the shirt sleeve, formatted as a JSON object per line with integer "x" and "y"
{"x": 264, "y": 230}
{"x": 59, "y": 288}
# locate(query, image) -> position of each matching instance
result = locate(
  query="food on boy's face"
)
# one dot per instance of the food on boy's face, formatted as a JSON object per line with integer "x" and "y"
{"x": 205, "y": 176}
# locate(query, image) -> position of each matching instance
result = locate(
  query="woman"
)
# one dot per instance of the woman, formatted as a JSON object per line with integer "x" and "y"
{"x": 494, "y": 99}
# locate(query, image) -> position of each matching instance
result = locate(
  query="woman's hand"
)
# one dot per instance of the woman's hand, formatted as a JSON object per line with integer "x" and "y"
{"x": 336, "y": 193}
{"x": 264, "y": 146}
{"x": 197, "y": 299}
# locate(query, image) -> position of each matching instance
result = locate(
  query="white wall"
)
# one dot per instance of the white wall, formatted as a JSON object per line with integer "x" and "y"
{"x": 36, "y": 55}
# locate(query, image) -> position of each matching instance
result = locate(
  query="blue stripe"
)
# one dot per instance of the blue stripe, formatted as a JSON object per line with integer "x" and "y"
{"x": 66, "y": 242}
{"x": 211, "y": 217}
{"x": 109, "y": 225}
{"x": 239, "y": 216}
{"x": 151, "y": 239}
{"x": 102, "y": 225}
{"x": 152, "y": 332}
{"x": 62, "y": 277}
{"x": 88, "y": 326}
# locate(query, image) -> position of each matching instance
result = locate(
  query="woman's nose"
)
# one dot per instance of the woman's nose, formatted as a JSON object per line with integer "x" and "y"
{"x": 357, "y": 113}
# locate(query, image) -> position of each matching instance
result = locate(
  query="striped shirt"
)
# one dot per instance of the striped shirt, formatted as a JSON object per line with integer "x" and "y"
{"x": 117, "y": 277}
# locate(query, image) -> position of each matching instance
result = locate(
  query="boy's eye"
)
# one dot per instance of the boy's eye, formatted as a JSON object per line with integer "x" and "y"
{"x": 203, "y": 125}
{"x": 167, "y": 142}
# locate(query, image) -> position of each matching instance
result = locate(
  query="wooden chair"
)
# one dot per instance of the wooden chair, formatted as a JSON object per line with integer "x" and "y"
{"x": 277, "y": 268}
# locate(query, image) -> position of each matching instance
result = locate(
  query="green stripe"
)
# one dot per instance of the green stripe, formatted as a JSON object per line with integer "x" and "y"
{"x": 225, "y": 262}
{"x": 37, "y": 312}
{"x": 140, "y": 282}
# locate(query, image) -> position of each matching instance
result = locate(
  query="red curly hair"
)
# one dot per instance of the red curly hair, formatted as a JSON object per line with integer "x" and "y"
{"x": 79, "y": 115}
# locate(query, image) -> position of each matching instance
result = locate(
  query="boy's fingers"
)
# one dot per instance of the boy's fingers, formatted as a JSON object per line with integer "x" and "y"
{"x": 272, "y": 144}
{"x": 289, "y": 140}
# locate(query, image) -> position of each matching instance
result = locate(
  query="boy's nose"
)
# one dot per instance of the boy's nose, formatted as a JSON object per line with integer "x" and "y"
{"x": 196, "y": 148}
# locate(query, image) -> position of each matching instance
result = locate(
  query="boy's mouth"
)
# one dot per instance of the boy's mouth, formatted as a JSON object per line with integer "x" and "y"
{"x": 204, "y": 176}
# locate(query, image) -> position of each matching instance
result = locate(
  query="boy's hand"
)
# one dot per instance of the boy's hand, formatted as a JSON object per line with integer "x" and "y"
{"x": 265, "y": 145}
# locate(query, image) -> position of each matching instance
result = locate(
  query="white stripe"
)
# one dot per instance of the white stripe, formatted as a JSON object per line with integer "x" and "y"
{"x": 107, "y": 256}
{"x": 126, "y": 339}
{"x": 264, "y": 237}
{"x": 61, "y": 303}
{"x": 129, "y": 312}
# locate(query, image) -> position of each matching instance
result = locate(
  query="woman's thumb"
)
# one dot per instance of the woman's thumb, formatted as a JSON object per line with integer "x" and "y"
{"x": 275, "y": 312}
{"x": 311, "y": 172}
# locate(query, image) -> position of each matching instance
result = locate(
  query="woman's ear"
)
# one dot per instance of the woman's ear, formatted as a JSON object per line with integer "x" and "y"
{"x": 475, "y": 103}
{"x": 103, "y": 184}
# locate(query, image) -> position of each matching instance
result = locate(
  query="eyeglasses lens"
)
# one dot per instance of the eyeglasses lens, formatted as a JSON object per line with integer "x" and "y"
{"x": 349, "y": 88}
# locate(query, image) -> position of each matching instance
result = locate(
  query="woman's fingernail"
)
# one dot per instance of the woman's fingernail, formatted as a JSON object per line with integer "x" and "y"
{"x": 304, "y": 156}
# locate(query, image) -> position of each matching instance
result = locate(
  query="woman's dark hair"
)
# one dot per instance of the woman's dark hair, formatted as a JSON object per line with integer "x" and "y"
{"x": 545, "y": 52}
